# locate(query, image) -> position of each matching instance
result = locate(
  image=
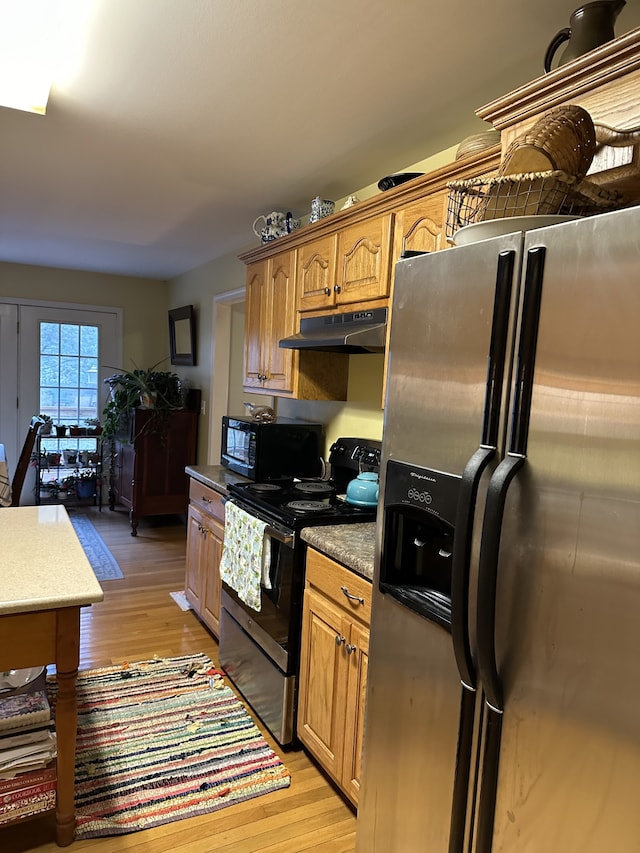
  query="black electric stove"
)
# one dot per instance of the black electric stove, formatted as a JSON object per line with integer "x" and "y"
{"x": 260, "y": 647}
{"x": 303, "y": 503}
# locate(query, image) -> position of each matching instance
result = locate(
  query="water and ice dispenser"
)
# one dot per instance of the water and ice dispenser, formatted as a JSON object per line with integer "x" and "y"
{"x": 417, "y": 544}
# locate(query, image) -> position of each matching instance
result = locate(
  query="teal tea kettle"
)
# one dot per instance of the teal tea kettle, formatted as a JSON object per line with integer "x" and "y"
{"x": 590, "y": 26}
{"x": 364, "y": 490}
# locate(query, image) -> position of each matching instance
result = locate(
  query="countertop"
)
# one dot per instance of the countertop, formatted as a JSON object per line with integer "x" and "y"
{"x": 353, "y": 545}
{"x": 43, "y": 564}
{"x": 215, "y": 476}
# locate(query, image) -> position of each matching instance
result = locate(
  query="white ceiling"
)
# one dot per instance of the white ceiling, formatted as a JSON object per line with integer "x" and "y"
{"x": 189, "y": 118}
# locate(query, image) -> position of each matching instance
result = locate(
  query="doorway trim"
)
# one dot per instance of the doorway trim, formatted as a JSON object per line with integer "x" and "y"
{"x": 220, "y": 363}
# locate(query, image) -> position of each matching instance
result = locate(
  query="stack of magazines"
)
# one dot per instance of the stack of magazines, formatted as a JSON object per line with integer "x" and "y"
{"x": 27, "y": 752}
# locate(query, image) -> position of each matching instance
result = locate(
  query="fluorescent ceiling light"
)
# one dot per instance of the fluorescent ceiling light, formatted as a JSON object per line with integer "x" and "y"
{"x": 34, "y": 40}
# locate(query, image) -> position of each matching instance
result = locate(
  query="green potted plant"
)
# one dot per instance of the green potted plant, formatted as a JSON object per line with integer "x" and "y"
{"x": 85, "y": 484}
{"x": 149, "y": 388}
{"x": 94, "y": 427}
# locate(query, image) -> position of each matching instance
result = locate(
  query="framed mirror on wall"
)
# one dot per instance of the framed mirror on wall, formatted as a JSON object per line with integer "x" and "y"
{"x": 182, "y": 335}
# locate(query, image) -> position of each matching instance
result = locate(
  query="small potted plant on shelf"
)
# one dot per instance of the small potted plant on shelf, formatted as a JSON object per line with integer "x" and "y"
{"x": 94, "y": 427}
{"x": 47, "y": 425}
{"x": 70, "y": 455}
{"x": 85, "y": 483}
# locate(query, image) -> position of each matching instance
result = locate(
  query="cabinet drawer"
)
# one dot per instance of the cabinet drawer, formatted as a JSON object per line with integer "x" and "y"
{"x": 330, "y": 577}
{"x": 206, "y": 498}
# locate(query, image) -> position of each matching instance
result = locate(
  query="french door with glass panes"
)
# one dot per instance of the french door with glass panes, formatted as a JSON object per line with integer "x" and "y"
{"x": 63, "y": 357}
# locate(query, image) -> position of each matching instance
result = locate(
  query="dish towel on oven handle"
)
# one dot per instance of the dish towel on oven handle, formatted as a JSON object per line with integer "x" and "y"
{"x": 246, "y": 555}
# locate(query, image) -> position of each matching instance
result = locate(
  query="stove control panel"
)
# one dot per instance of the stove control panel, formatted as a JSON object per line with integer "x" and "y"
{"x": 356, "y": 453}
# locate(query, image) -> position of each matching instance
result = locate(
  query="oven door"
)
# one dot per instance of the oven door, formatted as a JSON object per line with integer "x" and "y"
{"x": 275, "y": 627}
{"x": 259, "y": 650}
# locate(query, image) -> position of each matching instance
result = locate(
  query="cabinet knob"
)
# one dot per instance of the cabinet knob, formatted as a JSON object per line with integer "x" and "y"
{"x": 350, "y": 649}
{"x": 336, "y": 288}
{"x": 206, "y": 500}
{"x": 327, "y": 291}
{"x": 340, "y": 640}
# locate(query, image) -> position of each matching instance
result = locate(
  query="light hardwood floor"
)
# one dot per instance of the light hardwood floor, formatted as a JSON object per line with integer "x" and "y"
{"x": 139, "y": 619}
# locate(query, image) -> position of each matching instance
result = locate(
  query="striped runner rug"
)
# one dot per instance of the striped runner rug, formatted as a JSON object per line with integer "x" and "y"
{"x": 161, "y": 740}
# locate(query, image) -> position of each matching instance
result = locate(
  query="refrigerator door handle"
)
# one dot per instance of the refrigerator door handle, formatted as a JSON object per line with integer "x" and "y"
{"x": 504, "y": 474}
{"x": 474, "y": 469}
{"x": 498, "y": 348}
{"x": 527, "y": 350}
{"x": 460, "y": 564}
{"x": 490, "y": 544}
{"x": 488, "y": 575}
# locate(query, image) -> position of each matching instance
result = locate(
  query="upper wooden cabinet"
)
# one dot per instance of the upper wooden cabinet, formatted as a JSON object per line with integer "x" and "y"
{"x": 347, "y": 267}
{"x": 317, "y": 273}
{"x": 421, "y": 225}
{"x": 342, "y": 262}
{"x": 270, "y": 316}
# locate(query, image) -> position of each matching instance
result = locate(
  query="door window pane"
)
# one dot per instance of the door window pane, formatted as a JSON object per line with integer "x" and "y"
{"x": 69, "y": 372}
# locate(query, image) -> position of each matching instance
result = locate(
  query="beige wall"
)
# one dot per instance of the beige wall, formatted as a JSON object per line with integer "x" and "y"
{"x": 143, "y": 303}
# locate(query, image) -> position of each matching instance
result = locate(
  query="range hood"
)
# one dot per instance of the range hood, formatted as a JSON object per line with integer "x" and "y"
{"x": 352, "y": 332}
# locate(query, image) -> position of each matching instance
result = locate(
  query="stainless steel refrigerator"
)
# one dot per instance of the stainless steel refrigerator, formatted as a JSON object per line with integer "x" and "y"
{"x": 503, "y": 704}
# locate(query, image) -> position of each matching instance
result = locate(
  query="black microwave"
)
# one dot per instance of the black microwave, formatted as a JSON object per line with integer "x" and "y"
{"x": 271, "y": 451}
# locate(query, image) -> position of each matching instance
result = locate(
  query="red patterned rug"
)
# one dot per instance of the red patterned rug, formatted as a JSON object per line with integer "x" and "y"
{"x": 162, "y": 740}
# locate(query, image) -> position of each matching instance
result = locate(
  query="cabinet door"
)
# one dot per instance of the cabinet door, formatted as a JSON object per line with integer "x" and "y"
{"x": 210, "y": 605}
{"x": 124, "y": 474}
{"x": 363, "y": 266}
{"x": 421, "y": 226}
{"x": 280, "y": 322}
{"x": 193, "y": 576}
{"x": 316, "y": 274}
{"x": 255, "y": 320}
{"x": 358, "y": 662}
{"x": 323, "y": 682}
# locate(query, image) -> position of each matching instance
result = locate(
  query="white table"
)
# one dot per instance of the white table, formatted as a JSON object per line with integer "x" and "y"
{"x": 45, "y": 580}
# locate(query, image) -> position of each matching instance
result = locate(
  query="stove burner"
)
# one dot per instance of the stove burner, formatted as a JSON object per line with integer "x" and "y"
{"x": 307, "y": 506}
{"x": 314, "y": 487}
{"x": 265, "y": 487}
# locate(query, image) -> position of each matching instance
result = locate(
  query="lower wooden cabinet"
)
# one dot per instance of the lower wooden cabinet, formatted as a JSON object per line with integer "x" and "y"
{"x": 333, "y": 668}
{"x": 205, "y": 536}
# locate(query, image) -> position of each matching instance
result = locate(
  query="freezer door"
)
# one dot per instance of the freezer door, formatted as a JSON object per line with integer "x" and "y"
{"x": 440, "y": 337}
{"x": 444, "y": 399}
{"x": 568, "y": 593}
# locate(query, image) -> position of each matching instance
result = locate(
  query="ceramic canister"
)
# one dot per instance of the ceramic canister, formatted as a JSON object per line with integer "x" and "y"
{"x": 321, "y": 207}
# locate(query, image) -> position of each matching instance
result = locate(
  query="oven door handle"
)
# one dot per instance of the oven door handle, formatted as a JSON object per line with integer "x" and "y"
{"x": 286, "y": 539}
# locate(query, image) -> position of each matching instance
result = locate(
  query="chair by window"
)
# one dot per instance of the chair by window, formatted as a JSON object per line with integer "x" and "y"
{"x": 24, "y": 460}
